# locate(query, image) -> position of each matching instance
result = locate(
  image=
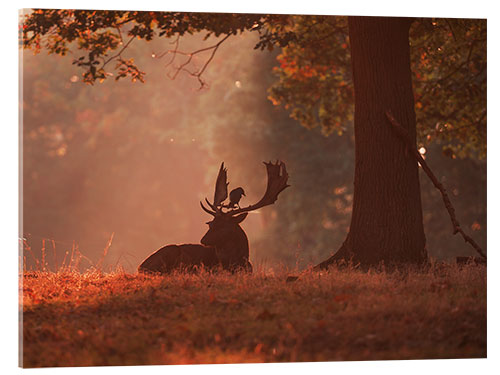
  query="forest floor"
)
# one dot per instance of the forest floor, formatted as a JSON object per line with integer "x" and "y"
{"x": 95, "y": 318}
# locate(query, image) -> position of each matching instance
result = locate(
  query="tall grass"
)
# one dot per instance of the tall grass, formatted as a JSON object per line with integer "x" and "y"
{"x": 118, "y": 318}
{"x": 72, "y": 260}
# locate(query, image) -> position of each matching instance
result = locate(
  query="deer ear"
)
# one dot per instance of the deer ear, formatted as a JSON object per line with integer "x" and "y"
{"x": 238, "y": 219}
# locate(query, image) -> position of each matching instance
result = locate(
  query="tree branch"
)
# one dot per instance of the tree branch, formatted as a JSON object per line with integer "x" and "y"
{"x": 403, "y": 134}
{"x": 119, "y": 54}
{"x": 174, "y": 51}
{"x": 454, "y": 71}
{"x": 451, "y": 29}
{"x": 182, "y": 67}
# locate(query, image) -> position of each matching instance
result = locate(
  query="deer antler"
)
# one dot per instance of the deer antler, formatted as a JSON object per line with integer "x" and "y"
{"x": 220, "y": 194}
{"x": 213, "y": 213}
{"x": 277, "y": 179}
{"x": 221, "y": 183}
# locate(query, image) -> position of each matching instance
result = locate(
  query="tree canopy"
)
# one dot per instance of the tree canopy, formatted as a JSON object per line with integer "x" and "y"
{"x": 313, "y": 76}
{"x": 449, "y": 75}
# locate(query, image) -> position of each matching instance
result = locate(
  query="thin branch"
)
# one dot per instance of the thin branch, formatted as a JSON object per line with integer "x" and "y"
{"x": 127, "y": 20}
{"x": 172, "y": 51}
{"x": 119, "y": 54}
{"x": 200, "y": 72}
{"x": 182, "y": 67}
{"x": 451, "y": 29}
{"x": 403, "y": 134}
{"x": 176, "y": 42}
{"x": 119, "y": 33}
{"x": 454, "y": 71}
{"x": 458, "y": 129}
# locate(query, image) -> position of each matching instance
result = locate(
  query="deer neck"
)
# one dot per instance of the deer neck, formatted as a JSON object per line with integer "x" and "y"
{"x": 236, "y": 247}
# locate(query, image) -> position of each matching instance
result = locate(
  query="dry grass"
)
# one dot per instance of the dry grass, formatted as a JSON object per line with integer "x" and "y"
{"x": 73, "y": 319}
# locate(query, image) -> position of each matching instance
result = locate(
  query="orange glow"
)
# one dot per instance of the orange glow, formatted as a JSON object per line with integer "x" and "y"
{"x": 96, "y": 160}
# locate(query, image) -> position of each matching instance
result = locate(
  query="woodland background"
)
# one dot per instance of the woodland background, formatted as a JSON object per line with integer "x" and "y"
{"x": 135, "y": 159}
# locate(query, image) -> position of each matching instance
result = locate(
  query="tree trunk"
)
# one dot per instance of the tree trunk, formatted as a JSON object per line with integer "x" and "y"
{"x": 386, "y": 224}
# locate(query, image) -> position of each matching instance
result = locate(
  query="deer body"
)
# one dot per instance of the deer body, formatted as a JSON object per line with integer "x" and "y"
{"x": 186, "y": 256}
{"x": 225, "y": 244}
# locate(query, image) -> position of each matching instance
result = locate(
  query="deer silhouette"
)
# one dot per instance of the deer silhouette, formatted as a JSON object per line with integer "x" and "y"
{"x": 225, "y": 244}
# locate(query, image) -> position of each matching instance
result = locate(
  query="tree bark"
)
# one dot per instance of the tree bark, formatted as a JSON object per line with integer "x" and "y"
{"x": 386, "y": 224}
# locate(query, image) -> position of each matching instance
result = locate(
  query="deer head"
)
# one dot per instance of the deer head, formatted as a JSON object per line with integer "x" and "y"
{"x": 225, "y": 233}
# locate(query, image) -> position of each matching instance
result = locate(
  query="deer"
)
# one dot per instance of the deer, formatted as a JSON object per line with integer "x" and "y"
{"x": 225, "y": 244}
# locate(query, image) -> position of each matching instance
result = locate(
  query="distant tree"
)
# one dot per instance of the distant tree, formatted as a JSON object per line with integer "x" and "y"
{"x": 314, "y": 84}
